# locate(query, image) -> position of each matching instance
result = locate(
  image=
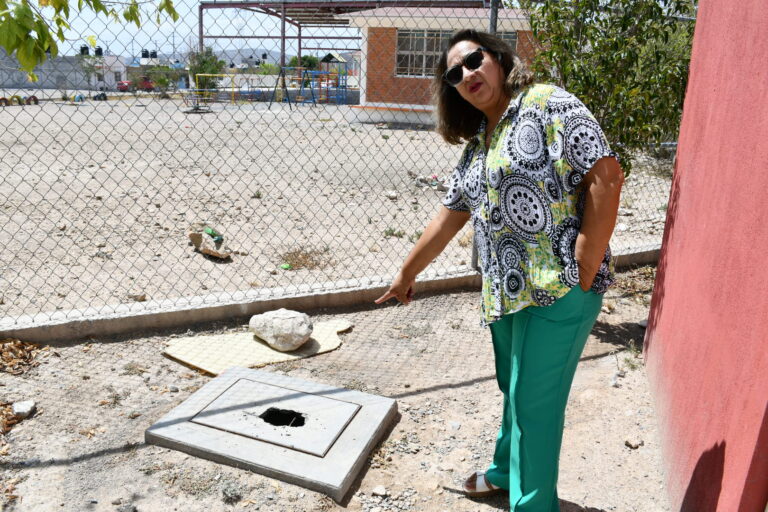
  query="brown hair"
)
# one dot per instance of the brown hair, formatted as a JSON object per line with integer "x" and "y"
{"x": 457, "y": 119}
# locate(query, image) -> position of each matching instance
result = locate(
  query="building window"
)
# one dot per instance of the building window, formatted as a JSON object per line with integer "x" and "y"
{"x": 419, "y": 50}
{"x": 118, "y": 76}
{"x": 509, "y": 37}
{"x": 99, "y": 77}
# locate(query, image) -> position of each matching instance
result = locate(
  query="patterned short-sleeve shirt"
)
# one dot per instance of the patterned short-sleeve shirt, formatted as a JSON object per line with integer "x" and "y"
{"x": 525, "y": 202}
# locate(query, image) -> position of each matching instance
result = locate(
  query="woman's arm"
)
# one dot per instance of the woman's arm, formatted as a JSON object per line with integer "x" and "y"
{"x": 436, "y": 236}
{"x": 602, "y": 186}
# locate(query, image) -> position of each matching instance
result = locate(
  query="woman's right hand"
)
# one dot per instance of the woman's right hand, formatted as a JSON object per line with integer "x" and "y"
{"x": 431, "y": 243}
{"x": 400, "y": 289}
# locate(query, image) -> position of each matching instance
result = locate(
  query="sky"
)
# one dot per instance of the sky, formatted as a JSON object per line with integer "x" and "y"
{"x": 167, "y": 36}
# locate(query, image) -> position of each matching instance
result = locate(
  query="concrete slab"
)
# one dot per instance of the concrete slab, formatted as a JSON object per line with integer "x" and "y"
{"x": 232, "y": 420}
{"x": 313, "y": 430}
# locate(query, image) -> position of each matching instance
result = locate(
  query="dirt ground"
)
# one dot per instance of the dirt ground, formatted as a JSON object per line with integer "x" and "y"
{"x": 96, "y": 200}
{"x": 84, "y": 450}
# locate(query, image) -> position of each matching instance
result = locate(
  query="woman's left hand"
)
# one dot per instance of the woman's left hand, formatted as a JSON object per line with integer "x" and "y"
{"x": 586, "y": 277}
{"x": 602, "y": 186}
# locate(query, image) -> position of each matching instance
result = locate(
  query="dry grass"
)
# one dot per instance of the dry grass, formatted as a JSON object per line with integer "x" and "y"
{"x": 113, "y": 398}
{"x": 465, "y": 240}
{"x": 393, "y": 233}
{"x": 190, "y": 482}
{"x": 7, "y": 418}
{"x": 16, "y": 357}
{"x": 133, "y": 369}
{"x": 637, "y": 282}
{"x": 9, "y": 494}
{"x": 306, "y": 258}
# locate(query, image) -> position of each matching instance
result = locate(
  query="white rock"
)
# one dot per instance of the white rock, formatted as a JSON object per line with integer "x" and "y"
{"x": 391, "y": 194}
{"x": 379, "y": 490}
{"x": 23, "y": 409}
{"x": 455, "y": 425}
{"x": 643, "y": 323}
{"x": 282, "y": 329}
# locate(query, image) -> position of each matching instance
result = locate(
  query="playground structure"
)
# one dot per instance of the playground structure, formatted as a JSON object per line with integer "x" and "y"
{"x": 291, "y": 85}
{"x": 317, "y": 86}
{"x": 200, "y": 97}
{"x": 331, "y": 87}
{"x": 314, "y": 86}
{"x": 330, "y": 81}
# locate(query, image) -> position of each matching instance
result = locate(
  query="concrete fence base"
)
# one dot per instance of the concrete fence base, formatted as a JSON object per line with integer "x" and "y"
{"x": 171, "y": 313}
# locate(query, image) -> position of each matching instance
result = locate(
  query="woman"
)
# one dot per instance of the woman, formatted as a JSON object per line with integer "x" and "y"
{"x": 541, "y": 186}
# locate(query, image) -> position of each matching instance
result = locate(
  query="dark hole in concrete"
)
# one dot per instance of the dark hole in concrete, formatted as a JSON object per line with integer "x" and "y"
{"x": 282, "y": 417}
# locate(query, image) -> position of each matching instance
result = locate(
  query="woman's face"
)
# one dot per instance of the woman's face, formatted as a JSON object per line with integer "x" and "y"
{"x": 483, "y": 87}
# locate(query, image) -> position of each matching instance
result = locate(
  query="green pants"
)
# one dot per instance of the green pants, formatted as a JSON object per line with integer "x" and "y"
{"x": 536, "y": 351}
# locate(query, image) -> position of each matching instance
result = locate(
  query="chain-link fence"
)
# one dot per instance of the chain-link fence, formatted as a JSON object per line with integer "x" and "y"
{"x": 314, "y": 169}
{"x": 303, "y": 138}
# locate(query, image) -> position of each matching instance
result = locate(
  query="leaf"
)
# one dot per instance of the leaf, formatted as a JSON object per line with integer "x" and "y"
{"x": 91, "y": 40}
{"x": 7, "y": 38}
{"x": 25, "y": 55}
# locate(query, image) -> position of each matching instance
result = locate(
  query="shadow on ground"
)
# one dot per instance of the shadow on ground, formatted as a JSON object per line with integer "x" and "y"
{"x": 567, "y": 506}
{"x": 501, "y": 502}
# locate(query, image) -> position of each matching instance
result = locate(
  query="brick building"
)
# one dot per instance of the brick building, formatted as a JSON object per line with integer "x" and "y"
{"x": 400, "y": 49}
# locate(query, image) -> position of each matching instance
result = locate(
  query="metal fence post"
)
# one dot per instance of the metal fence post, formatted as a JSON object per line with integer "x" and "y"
{"x": 493, "y": 15}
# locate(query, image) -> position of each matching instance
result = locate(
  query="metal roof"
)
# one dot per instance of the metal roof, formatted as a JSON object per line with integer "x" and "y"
{"x": 333, "y": 58}
{"x": 326, "y": 12}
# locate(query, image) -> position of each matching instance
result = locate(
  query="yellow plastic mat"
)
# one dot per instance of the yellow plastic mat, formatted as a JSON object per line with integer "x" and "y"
{"x": 214, "y": 354}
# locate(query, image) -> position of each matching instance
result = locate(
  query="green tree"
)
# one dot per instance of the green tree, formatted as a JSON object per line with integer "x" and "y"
{"x": 268, "y": 69}
{"x": 164, "y": 77}
{"x": 627, "y": 60}
{"x": 307, "y": 62}
{"x": 88, "y": 64}
{"x": 30, "y": 28}
{"x": 205, "y": 62}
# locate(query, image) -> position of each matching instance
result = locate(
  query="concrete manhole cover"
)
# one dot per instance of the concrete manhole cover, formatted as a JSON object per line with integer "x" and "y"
{"x": 302, "y": 432}
{"x": 247, "y": 408}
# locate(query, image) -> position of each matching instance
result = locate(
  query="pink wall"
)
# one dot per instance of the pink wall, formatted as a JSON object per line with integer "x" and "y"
{"x": 707, "y": 338}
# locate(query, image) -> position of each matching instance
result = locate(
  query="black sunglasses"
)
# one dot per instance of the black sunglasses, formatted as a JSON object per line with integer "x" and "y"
{"x": 454, "y": 75}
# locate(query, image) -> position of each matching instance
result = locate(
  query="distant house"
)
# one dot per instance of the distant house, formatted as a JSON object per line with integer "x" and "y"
{"x": 64, "y": 73}
{"x": 59, "y": 73}
{"x": 110, "y": 69}
{"x": 401, "y": 46}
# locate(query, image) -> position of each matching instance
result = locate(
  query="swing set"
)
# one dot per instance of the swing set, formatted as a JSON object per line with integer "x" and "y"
{"x": 315, "y": 86}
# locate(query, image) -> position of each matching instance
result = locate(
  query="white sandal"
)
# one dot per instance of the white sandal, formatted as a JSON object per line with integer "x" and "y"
{"x": 483, "y": 487}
